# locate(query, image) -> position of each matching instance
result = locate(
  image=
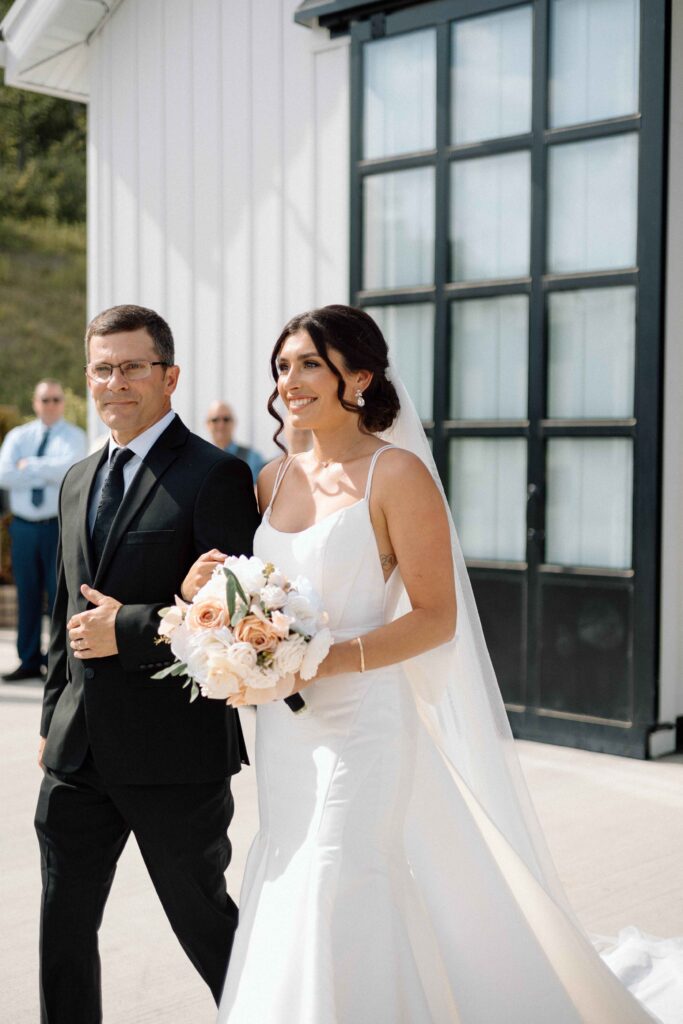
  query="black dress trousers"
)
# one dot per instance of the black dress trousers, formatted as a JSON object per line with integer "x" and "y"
{"x": 82, "y": 827}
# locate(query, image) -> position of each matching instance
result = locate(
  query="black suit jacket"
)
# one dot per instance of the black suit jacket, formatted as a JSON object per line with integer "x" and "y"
{"x": 187, "y": 497}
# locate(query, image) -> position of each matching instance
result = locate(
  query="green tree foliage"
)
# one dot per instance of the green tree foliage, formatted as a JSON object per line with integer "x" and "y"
{"x": 42, "y": 156}
{"x": 42, "y": 247}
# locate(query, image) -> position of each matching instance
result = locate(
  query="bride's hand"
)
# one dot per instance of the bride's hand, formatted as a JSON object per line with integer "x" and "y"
{"x": 200, "y": 573}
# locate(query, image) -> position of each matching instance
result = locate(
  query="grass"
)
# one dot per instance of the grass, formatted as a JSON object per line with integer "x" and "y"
{"x": 42, "y": 311}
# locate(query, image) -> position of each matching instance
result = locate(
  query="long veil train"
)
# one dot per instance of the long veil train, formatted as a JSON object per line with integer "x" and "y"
{"x": 459, "y": 702}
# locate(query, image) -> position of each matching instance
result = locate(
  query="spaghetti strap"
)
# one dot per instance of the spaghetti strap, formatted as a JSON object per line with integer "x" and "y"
{"x": 282, "y": 469}
{"x": 372, "y": 468}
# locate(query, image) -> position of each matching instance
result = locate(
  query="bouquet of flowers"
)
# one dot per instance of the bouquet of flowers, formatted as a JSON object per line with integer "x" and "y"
{"x": 244, "y": 633}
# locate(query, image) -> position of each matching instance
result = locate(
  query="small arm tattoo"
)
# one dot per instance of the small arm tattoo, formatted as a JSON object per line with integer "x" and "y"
{"x": 387, "y": 562}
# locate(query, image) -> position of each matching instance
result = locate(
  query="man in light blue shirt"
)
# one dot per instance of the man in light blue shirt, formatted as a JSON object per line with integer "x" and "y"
{"x": 33, "y": 461}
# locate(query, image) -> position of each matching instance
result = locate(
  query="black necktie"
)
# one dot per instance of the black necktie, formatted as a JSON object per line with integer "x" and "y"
{"x": 111, "y": 498}
{"x": 38, "y": 493}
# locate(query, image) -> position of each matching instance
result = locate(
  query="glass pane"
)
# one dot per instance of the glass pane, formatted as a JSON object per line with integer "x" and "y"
{"x": 399, "y": 94}
{"x": 490, "y": 217}
{"x": 594, "y": 56}
{"x": 398, "y": 245}
{"x": 489, "y": 346}
{"x": 593, "y": 199}
{"x": 592, "y": 336}
{"x": 409, "y": 332}
{"x": 491, "y": 76}
{"x": 505, "y": 633}
{"x": 488, "y": 496}
{"x": 586, "y": 659}
{"x": 589, "y": 502}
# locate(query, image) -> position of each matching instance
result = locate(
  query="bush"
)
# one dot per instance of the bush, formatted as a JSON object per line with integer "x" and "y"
{"x": 42, "y": 309}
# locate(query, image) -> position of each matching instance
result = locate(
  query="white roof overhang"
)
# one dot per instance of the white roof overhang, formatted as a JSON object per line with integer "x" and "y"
{"x": 45, "y": 46}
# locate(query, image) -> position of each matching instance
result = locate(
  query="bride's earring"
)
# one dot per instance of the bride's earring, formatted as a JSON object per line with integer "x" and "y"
{"x": 360, "y": 401}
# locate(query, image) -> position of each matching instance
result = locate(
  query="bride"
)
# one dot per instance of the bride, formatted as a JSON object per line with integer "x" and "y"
{"x": 399, "y": 874}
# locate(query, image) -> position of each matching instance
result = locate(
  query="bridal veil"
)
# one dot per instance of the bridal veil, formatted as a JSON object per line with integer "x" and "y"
{"x": 471, "y": 761}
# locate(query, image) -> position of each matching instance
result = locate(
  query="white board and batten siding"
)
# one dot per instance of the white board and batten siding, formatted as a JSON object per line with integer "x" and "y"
{"x": 218, "y": 185}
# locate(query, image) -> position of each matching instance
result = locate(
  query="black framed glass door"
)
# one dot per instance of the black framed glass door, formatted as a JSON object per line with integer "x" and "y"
{"x": 506, "y": 233}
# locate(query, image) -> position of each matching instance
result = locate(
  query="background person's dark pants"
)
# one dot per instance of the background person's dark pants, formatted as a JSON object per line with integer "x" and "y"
{"x": 82, "y": 828}
{"x": 34, "y": 567}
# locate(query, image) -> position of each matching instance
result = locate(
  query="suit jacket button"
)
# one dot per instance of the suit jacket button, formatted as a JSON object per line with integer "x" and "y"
{"x": 89, "y": 673}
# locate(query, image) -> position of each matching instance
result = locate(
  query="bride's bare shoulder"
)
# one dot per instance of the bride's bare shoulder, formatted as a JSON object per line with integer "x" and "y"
{"x": 399, "y": 472}
{"x": 396, "y": 462}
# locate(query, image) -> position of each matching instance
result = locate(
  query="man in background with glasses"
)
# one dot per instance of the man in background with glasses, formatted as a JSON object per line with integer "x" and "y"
{"x": 34, "y": 459}
{"x": 121, "y": 750}
{"x": 221, "y": 421}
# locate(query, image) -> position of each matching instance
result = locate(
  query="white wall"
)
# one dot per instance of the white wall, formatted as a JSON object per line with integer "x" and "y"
{"x": 671, "y": 668}
{"x": 218, "y": 184}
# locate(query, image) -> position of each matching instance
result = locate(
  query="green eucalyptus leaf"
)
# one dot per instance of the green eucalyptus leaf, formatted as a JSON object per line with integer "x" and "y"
{"x": 231, "y": 593}
{"x": 240, "y": 591}
{"x": 168, "y": 671}
{"x": 238, "y": 586}
{"x": 194, "y": 692}
{"x": 239, "y": 615}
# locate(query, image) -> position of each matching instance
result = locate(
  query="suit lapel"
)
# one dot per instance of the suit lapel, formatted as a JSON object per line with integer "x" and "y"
{"x": 87, "y": 482}
{"x": 156, "y": 462}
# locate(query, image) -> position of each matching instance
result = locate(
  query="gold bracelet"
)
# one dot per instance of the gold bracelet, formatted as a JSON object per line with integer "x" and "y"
{"x": 362, "y": 653}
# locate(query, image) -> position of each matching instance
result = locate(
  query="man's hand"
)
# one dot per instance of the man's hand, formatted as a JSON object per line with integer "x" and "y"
{"x": 41, "y": 748}
{"x": 201, "y": 572}
{"x": 92, "y": 633}
{"x": 22, "y": 464}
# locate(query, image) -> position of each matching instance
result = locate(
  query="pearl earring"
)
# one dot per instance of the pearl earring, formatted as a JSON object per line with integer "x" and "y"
{"x": 360, "y": 401}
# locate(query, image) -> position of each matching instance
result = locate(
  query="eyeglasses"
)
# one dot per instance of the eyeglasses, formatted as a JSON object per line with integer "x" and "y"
{"x": 55, "y": 399}
{"x": 221, "y": 419}
{"x": 132, "y": 369}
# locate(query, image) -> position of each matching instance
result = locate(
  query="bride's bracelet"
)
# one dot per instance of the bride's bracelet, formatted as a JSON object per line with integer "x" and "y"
{"x": 362, "y": 653}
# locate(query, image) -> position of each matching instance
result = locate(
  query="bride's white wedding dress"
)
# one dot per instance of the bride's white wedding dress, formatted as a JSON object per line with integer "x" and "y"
{"x": 379, "y": 890}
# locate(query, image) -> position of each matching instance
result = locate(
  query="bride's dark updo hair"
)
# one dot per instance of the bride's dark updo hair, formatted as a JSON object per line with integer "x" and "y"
{"x": 361, "y": 344}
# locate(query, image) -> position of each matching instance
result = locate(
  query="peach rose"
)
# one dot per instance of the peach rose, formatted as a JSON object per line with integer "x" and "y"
{"x": 253, "y": 630}
{"x": 209, "y": 613}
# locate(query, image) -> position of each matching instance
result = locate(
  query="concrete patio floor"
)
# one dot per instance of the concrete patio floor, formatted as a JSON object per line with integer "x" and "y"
{"x": 614, "y": 826}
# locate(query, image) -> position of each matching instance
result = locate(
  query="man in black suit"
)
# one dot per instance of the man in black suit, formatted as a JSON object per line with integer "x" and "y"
{"x": 121, "y": 751}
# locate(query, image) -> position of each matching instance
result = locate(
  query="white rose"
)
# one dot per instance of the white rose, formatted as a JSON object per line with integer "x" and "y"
{"x": 223, "y": 636}
{"x": 249, "y": 572}
{"x": 277, "y": 578}
{"x": 220, "y": 681}
{"x": 288, "y": 655}
{"x": 300, "y": 609}
{"x": 303, "y": 586}
{"x": 262, "y": 678}
{"x": 316, "y": 652}
{"x": 200, "y": 650}
{"x": 181, "y": 643}
{"x": 214, "y": 587}
{"x": 241, "y": 658}
{"x": 273, "y": 596}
